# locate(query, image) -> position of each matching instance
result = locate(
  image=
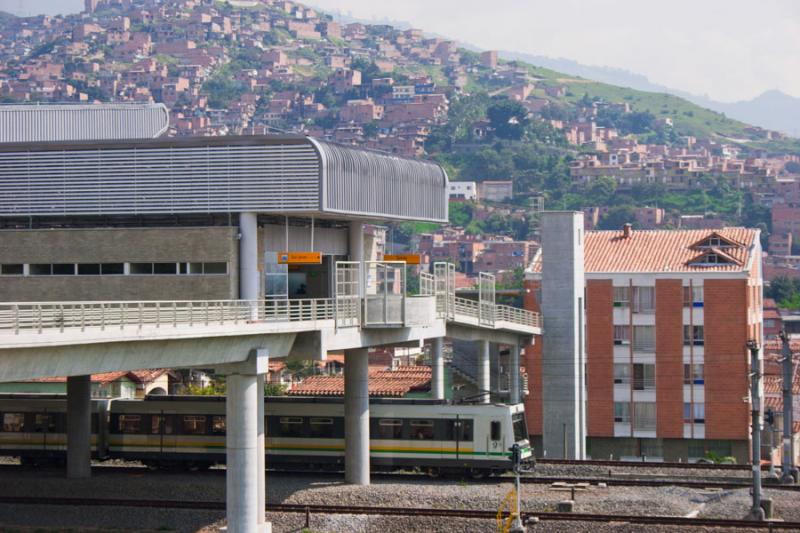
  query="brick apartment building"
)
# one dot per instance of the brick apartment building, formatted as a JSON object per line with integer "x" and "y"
{"x": 668, "y": 315}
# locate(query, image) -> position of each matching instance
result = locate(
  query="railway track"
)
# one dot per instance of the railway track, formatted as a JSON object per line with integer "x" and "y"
{"x": 610, "y": 481}
{"x": 405, "y": 511}
{"x": 644, "y": 464}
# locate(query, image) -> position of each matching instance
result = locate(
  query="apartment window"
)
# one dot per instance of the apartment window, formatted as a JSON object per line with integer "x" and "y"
{"x": 696, "y": 413}
{"x": 622, "y": 373}
{"x": 644, "y": 338}
{"x": 644, "y": 299}
{"x": 693, "y": 335}
{"x": 622, "y": 335}
{"x": 693, "y": 374}
{"x": 622, "y": 296}
{"x": 644, "y": 415}
{"x": 12, "y": 270}
{"x": 622, "y": 412}
{"x": 693, "y": 296}
{"x": 644, "y": 376}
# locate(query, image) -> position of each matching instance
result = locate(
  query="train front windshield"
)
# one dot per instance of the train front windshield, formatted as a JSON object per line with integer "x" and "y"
{"x": 520, "y": 428}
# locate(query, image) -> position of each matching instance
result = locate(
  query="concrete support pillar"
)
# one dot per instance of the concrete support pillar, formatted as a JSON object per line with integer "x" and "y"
{"x": 241, "y": 410}
{"x": 261, "y": 451}
{"x": 484, "y": 371}
{"x": 248, "y": 259}
{"x": 513, "y": 374}
{"x": 356, "y": 247}
{"x": 356, "y": 417}
{"x": 79, "y": 427}
{"x": 564, "y": 354}
{"x": 437, "y": 369}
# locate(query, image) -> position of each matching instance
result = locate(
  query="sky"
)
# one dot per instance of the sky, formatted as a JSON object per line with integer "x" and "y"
{"x": 727, "y": 49}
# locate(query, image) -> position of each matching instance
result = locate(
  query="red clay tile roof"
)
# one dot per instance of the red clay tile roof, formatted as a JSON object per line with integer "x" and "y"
{"x": 104, "y": 378}
{"x": 661, "y": 251}
{"x": 382, "y": 383}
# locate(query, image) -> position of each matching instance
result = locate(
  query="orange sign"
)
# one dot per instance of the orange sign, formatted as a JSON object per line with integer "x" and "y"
{"x": 296, "y": 258}
{"x": 410, "y": 259}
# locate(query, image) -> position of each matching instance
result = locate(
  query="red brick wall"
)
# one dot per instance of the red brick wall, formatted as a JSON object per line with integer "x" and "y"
{"x": 726, "y": 359}
{"x": 600, "y": 358}
{"x": 669, "y": 358}
{"x": 532, "y": 360}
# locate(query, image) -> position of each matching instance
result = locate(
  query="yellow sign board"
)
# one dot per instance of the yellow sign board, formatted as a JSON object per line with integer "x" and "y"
{"x": 295, "y": 258}
{"x": 410, "y": 259}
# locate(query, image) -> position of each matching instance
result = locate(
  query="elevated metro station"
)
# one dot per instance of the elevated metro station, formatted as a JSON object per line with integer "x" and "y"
{"x": 224, "y": 252}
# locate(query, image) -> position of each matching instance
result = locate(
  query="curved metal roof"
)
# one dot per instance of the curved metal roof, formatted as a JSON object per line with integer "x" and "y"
{"x": 264, "y": 174}
{"x": 62, "y": 122}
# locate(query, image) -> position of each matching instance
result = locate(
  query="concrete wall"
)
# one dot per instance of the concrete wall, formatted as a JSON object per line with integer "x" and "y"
{"x": 119, "y": 245}
{"x": 673, "y": 450}
{"x": 563, "y": 359}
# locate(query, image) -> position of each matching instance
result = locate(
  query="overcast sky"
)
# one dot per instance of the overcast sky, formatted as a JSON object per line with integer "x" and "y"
{"x": 728, "y": 49}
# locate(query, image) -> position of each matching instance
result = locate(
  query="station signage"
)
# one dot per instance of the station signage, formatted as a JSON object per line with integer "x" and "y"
{"x": 300, "y": 258}
{"x": 410, "y": 259}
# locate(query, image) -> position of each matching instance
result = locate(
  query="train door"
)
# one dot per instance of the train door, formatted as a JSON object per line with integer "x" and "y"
{"x": 162, "y": 429}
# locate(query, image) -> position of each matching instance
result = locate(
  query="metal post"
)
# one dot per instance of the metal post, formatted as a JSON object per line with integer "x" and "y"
{"x": 79, "y": 426}
{"x": 484, "y": 372}
{"x": 356, "y": 416}
{"x": 788, "y": 471}
{"x": 756, "y": 512}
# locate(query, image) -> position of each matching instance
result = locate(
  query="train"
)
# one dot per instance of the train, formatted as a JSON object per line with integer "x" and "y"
{"x": 300, "y": 432}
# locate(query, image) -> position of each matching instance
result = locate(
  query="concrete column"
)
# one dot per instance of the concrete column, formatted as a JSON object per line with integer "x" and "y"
{"x": 241, "y": 410}
{"x": 261, "y": 451}
{"x": 356, "y": 247}
{"x": 356, "y": 417}
{"x": 513, "y": 374}
{"x": 248, "y": 257}
{"x": 563, "y": 355}
{"x": 484, "y": 371}
{"x": 79, "y": 427}
{"x": 437, "y": 369}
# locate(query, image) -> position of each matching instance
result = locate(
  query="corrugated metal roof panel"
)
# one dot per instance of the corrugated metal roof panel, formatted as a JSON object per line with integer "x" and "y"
{"x": 59, "y": 122}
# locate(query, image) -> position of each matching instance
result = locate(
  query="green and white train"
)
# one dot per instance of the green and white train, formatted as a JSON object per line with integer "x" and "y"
{"x": 301, "y": 432}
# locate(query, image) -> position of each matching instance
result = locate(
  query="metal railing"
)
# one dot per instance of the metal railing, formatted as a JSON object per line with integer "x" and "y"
{"x": 60, "y": 316}
{"x": 427, "y": 284}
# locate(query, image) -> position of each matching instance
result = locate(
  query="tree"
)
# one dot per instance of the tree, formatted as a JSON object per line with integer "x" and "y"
{"x": 602, "y": 190}
{"x": 460, "y": 214}
{"x": 616, "y": 217}
{"x": 782, "y": 288}
{"x": 508, "y": 118}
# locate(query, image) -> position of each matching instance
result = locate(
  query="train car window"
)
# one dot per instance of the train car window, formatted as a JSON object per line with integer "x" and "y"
{"x": 218, "y": 425}
{"x": 520, "y": 429}
{"x": 422, "y": 429}
{"x": 291, "y": 426}
{"x": 194, "y": 425}
{"x": 390, "y": 428}
{"x": 13, "y": 422}
{"x": 322, "y": 428}
{"x": 44, "y": 423}
{"x": 94, "y": 422}
{"x": 156, "y": 422}
{"x": 495, "y": 430}
{"x": 130, "y": 423}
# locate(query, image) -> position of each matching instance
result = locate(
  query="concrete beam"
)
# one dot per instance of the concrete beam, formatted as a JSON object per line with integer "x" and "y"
{"x": 356, "y": 417}
{"x": 79, "y": 427}
{"x": 28, "y": 363}
{"x": 467, "y": 333}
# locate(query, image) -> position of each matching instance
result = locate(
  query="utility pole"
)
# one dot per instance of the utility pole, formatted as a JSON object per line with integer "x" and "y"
{"x": 756, "y": 512}
{"x": 788, "y": 471}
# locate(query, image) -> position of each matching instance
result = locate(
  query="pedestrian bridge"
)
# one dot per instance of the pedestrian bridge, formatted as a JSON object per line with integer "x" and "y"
{"x": 193, "y": 333}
